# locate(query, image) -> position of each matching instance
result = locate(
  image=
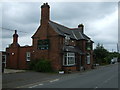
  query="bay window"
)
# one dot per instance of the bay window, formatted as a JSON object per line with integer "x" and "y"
{"x": 69, "y": 59}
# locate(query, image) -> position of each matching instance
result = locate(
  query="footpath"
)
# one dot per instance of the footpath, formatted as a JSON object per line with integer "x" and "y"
{"x": 8, "y": 71}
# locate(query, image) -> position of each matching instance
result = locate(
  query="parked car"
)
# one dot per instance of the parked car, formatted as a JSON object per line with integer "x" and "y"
{"x": 114, "y": 60}
{"x": 96, "y": 64}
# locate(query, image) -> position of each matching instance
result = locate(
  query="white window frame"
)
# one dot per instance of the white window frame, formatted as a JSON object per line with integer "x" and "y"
{"x": 28, "y": 55}
{"x": 88, "y": 59}
{"x": 67, "y": 38}
{"x": 68, "y": 55}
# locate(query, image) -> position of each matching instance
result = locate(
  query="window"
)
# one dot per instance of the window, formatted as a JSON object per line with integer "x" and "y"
{"x": 69, "y": 59}
{"x": 88, "y": 59}
{"x": 28, "y": 54}
{"x": 88, "y": 45}
{"x": 67, "y": 38}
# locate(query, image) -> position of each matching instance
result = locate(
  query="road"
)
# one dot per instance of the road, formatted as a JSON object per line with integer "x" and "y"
{"x": 104, "y": 77}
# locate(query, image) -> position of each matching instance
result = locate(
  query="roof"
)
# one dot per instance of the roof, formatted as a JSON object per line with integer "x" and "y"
{"x": 72, "y": 33}
{"x": 72, "y": 49}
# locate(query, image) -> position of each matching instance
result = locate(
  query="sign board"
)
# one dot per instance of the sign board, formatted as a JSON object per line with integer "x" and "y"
{"x": 43, "y": 44}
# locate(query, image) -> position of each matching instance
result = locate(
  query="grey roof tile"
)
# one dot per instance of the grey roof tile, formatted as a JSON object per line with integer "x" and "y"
{"x": 73, "y": 33}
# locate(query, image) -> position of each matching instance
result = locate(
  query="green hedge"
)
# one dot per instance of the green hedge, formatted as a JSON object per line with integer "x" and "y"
{"x": 40, "y": 65}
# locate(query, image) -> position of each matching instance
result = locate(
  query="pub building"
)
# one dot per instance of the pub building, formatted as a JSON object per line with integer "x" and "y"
{"x": 66, "y": 48}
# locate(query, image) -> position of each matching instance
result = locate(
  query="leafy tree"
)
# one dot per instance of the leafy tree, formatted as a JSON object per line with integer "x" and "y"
{"x": 100, "y": 54}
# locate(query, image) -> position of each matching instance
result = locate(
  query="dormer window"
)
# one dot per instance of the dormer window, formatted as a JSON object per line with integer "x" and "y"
{"x": 67, "y": 38}
{"x": 88, "y": 45}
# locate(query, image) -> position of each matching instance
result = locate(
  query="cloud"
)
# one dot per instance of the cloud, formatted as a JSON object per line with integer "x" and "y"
{"x": 99, "y": 18}
{"x": 80, "y": 11}
{"x": 105, "y": 30}
{"x": 22, "y": 12}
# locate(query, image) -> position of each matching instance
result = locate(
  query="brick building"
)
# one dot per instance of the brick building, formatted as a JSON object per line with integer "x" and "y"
{"x": 67, "y": 48}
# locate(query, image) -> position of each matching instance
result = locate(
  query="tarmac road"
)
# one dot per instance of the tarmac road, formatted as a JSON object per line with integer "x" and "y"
{"x": 102, "y": 77}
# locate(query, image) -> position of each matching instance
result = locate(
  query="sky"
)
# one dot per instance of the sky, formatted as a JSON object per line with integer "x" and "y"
{"x": 100, "y": 20}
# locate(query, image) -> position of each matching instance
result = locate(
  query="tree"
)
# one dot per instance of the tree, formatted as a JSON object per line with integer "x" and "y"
{"x": 100, "y": 54}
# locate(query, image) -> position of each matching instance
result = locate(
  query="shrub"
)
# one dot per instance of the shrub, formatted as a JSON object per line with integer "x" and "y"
{"x": 41, "y": 65}
{"x": 32, "y": 64}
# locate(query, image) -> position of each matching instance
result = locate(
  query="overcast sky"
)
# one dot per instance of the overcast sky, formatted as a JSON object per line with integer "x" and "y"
{"x": 99, "y": 18}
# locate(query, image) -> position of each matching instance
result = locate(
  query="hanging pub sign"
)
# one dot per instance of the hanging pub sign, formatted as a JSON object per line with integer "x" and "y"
{"x": 43, "y": 44}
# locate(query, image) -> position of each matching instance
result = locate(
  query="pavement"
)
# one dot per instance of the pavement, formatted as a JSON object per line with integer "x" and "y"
{"x": 8, "y": 71}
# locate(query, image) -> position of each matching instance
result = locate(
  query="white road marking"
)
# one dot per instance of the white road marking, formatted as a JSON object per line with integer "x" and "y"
{"x": 54, "y": 80}
{"x": 96, "y": 87}
{"x": 41, "y": 84}
{"x": 36, "y": 85}
{"x": 33, "y": 86}
{"x": 106, "y": 81}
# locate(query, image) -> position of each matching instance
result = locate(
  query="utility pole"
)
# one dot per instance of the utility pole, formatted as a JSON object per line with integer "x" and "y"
{"x": 112, "y": 50}
{"x": 117, "y": 47}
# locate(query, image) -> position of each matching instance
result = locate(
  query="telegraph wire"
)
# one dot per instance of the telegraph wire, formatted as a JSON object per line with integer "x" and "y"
{"x": 12, "y": 30}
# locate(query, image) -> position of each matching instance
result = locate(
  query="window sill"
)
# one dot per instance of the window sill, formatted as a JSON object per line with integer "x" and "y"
{"x": 27, "y": 61}
{"x": 69, "y": 65}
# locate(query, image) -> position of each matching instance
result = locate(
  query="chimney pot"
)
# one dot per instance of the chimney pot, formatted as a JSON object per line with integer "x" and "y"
{"x": 15, "y": 31}
{"x": 81, "y": 27}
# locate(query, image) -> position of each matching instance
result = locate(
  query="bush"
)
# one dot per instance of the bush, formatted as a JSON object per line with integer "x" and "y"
{"x": 32, "y": 64}
{"x": 41, "y": 65}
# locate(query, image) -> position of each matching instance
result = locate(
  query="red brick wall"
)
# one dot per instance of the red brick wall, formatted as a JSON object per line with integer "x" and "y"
{"x": 72, "y": 68}
{"x": 23, "y": 64}
{"x": 46, "y": 32}
{"x": 12, "y": 58}
{"x": 18, "y": 60}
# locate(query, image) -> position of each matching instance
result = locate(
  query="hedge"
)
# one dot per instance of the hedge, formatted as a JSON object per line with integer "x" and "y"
{"x": 40, "y": 65}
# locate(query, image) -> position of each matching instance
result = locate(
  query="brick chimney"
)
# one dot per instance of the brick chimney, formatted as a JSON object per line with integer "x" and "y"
{"x": 15, "y": 40}
{"x": 45, "y": 16}
{"x": 15, "y": 37}
{"x": 81, "y": 27}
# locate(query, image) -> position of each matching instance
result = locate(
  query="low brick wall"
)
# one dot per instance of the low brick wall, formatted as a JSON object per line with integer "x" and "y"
{"x": 68, "y": 69}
